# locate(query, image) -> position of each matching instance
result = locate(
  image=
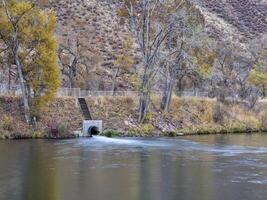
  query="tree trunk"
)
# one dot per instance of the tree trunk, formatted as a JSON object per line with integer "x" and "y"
{"x": 73, "y": 72}
{"x": 264, "y": 90}
{"x": 25, "y": 94}
{"x": 114, "y": 81}
{"x": 71, "y": 85}
{"x": 169, "y": 97}
{"x": 167, "y": 94}
{"x": 9, "y": 78}
{"x": 180, "y": 87}
{"x": 144, "y": 103}
{"x": 15, "y": 51}
{"x": 144, "y": 100}
{"x": 71, "y": 79}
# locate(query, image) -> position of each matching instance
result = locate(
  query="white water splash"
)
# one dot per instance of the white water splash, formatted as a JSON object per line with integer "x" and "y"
{"x": 104, "y": 139}
{"x": 179, "y": 145}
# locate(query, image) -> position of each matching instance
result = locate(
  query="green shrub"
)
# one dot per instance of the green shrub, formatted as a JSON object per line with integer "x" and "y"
{"x": 132, "y": 132}
{"x": 111, "y": 133}
{"x": 38, "y": 134}
{"x": 149, "y": 117}
{"x": 146, "y": 129}
{"x": 172, "y": 134}
{"x": 143, "y": 130}
{"x": 236, "y": 127}
{"x": 2, "y": 137}
{"x": 8, "y": 123}
{"x": 63, "y": 129}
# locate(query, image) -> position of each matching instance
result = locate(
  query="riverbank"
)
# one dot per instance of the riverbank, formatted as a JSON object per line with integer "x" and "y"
{"x": 187, "y": 116}
{"x": 60, "y": 120}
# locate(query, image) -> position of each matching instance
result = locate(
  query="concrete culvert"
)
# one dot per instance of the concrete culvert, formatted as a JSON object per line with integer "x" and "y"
{"x": 93, "y": 130}
{"x": 92, "y": 127}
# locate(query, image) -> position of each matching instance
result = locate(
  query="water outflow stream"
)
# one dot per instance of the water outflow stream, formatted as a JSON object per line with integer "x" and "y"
{"x": 183, "y": 145}
{"x": 217, "y": 167}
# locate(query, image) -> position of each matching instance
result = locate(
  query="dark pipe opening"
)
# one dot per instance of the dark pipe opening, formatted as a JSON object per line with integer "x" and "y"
{"x": 93, "y": 130}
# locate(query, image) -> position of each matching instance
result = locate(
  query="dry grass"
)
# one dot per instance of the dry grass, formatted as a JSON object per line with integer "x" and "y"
{"x": 114, "y": 111}
{"x": 246, "y": 117}
{"x": 187, "y": 115}
{"x": 186, "y": 110}
{"x": 196, "y": 115}
{"x": 61, "y": 111}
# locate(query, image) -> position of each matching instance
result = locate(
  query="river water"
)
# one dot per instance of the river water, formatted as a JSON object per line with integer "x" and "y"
{"x": 214, "y": 167}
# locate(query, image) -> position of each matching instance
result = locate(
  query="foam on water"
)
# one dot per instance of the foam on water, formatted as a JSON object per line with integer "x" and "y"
{"x": 230, "y": 150}
{"x": 140, "y": 142}
{"x": 180, "y": 145}
{"x": 104, "y": 139}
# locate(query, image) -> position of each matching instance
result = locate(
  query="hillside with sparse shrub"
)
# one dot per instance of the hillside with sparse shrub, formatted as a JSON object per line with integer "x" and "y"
{"x": 102, "y": 32}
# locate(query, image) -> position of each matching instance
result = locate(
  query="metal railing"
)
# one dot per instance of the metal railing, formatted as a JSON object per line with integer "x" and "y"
{"x": 14, "y": 90}
{"x": 76, "y": 92}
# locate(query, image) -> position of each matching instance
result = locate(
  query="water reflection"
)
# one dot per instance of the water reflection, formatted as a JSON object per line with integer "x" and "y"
{"x": 202, "y": 168}
{"x": 41, "y": 176}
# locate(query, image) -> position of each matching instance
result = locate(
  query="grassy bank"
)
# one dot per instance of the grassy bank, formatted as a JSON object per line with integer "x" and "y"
{"x": 119, "y": 114}
{"x": 62, "y": 115}
{"x": 186, "y": 116}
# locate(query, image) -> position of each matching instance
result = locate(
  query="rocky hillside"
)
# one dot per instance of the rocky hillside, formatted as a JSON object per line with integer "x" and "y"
{"x": 243, "y": 18}
{"x": 105, "y": 33}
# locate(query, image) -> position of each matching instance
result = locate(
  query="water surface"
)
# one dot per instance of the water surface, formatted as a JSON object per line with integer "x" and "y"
{"x": 218, "y": 167}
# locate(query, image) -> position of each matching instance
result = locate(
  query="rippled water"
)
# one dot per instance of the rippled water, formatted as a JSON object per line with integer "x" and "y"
{"x": 198, "y": 167}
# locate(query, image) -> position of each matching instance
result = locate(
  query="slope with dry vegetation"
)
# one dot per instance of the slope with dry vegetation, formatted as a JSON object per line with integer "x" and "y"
{"x": 186, "y": 116}
{"x": 96, "y": 23}
{"x": 248, "y": 16}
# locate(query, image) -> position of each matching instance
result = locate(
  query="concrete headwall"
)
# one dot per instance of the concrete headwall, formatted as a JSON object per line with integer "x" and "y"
{"x": 89, "y": 123}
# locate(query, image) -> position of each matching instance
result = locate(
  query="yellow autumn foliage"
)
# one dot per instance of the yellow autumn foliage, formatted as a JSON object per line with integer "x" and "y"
{"x": 38, "y": 49}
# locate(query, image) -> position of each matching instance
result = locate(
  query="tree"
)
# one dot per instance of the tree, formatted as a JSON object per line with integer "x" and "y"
{"x": 184, "y": 37}
{"x": 76, "y": 58}
{"x": 230, "y": 73}
{"x": 227, "y": 69}
{"x": 27, "y": 33}
{"x": 124, "y": 62}
{"x": 258, "y": 74}
{"x": 258, "y": 77}
{"x": 9, "y": 74}
{"x": 147, "y": 19}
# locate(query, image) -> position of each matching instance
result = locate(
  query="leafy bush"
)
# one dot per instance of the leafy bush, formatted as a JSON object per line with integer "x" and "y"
{"x": 143, "y": 130}
{"x": 8, "y": 123}
{"x": 172, "y": 134}
{"x": 2, "y": 137}
{"x": 147, "y": 129}
{"x": 63, "y": 129}
{"x": 38, "y": 134}
{"x": 59, "y": 130}
{"x": 149, "y": 117}
{"x": 111, "y": 133}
